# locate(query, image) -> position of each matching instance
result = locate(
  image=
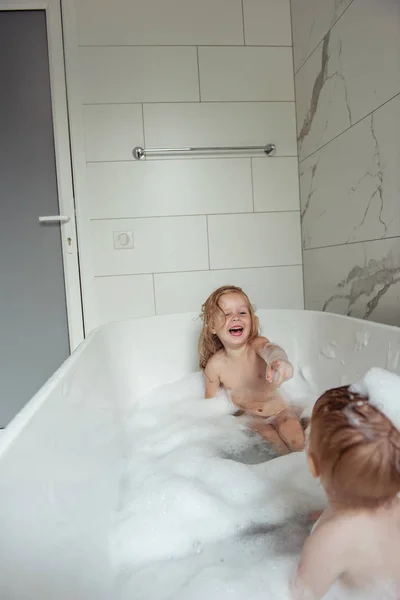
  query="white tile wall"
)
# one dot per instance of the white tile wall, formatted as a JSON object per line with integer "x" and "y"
{"x": 160, "y": 22}
{"x": 254, "y": 240}
{"x": 276, "y": 184}
{"x": 267, "y": 22}
{"x": 112, "y": 130}
{"x": 355, "y": 80}
{"x": 182, "y": 73}
{"x": 351, "y": 187}
{"x": 172, "y": 187}
{"x": 360, "y": 280}
{"x": 163, "y": 244}
{"x": 348, "y": 109}
{"x": 246, "y": 74}
{"x": 311, "y": 21}
{"x": 123, "y": 297}
{"x": 221, "y": 124}
{"x": 114, "y": 74}
{"x": 268, "y": 287}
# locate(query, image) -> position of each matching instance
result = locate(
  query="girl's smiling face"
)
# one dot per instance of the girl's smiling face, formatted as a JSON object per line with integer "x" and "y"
{"x": 233, "y": 324}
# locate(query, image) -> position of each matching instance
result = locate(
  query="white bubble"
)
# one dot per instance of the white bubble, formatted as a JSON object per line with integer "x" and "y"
{"x": 382, "y": 388}
{"x": 202, "y": 512}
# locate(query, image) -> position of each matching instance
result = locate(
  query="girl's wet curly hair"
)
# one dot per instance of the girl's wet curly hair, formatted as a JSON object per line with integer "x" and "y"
{"x": 209, "y": 343}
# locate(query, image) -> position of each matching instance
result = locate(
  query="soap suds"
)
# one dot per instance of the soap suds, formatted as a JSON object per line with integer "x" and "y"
{"x": 383, "y": 391}
{"x": 392, "y": 358}
{"x": 203, "y": 512}
{"x": 328, "y": 351}
{"x": 199, "y": 514}
{"x": 352, "y": 417}
{"x": 306, "y": 374}
{"x": 362, "y": 339}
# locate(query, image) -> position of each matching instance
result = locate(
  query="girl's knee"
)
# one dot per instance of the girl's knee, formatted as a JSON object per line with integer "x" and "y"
{"x": 292, "y": 432}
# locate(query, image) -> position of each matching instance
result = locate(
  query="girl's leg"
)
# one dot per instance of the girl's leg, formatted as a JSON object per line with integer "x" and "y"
{"x": 270, "y": 435}
{"x": 290, "y": 430}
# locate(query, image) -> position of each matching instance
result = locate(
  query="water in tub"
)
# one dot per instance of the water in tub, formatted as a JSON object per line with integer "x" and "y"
{"x": 203, "y": 512}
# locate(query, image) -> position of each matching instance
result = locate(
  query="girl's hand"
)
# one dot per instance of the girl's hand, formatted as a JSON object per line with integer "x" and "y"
{"x": 278, "y": 372}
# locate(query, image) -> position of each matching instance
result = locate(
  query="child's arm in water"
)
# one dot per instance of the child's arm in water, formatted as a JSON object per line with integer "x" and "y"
{"x": 279, "y": 369}
{"x": 323, "y": 560}
{"x": 212, "y": 378}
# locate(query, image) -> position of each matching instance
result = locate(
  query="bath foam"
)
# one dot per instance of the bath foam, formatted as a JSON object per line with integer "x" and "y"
{"x": 306, "y": 375}
{"x": 329, "y": 351}
{"x": 301, "y": 391}
{"x": 392, "y": 358}
{"x": 362, "y": 339}
{"x": 194, "y": 518}
{"x": 383, "y": 391}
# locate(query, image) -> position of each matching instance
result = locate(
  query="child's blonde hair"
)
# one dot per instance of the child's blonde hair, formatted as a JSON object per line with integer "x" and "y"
{"x": 209, "y": 343}
{"x": 356, "y": 447}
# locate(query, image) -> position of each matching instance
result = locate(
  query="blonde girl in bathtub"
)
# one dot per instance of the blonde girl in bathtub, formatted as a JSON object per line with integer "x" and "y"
{"x": 234, "y": 356}
{"x": 354, "y": 448}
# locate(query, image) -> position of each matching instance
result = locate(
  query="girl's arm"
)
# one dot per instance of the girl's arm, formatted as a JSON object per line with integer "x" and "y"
{"x": 279, "y": 368}
{"x": 212, "y": 379}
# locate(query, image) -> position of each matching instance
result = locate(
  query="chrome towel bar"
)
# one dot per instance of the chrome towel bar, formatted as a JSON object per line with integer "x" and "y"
{"x": 139, "y": 153}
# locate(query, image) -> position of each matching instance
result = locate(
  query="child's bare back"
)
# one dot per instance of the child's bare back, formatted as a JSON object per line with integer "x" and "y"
{"x": 250, "y": 368}
{"x": 360, "y": 548}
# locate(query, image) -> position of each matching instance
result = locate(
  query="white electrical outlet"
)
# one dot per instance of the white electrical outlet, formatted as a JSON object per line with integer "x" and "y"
{"x": 123, "y": 240}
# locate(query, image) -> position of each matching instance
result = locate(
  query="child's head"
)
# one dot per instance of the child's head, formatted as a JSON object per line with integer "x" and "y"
{"x": 355, "y": 450}
{"x": 228, "y": 320}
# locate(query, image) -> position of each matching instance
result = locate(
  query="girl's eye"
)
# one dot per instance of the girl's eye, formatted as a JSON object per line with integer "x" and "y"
{"x": 243, "y": 312}
{"x": 227, "y": 314}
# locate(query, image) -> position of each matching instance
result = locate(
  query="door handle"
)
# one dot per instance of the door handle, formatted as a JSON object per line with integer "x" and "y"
{"x": 54, "y": 219}
{"x": 68, "y": 232}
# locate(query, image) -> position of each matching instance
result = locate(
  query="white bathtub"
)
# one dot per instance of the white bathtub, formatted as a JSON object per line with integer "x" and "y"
{"x": 60, "y": 458}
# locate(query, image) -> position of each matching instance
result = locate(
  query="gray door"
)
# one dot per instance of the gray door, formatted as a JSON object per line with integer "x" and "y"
{"x": 33, "y": 315}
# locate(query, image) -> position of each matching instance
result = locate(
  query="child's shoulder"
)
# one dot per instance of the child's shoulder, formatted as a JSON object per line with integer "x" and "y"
{"x": 215, "y": 361}
{"x": 217, "y": 358}
{"x": 338, "y": 530}
{"x": 259, "y": 342}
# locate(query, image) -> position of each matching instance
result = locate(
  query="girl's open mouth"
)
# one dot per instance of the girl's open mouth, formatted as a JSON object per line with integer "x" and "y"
{"x": 236, "y": 331}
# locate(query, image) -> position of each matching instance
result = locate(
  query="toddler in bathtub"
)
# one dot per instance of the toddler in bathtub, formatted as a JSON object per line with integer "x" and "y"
{"x": 354, "y": 448}
{"x": 234, "y": 356}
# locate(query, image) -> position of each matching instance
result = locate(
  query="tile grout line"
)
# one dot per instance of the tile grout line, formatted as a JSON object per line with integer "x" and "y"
{"x": 184, "y": 45}
{"x": 187, "y": 158}
{"x": 371, "y": 241}
{"x": 244, "y": 29}
{"x": 198, "y": 72}
{"x": 298, "y": 157}
{"x": 221, "y": 214}
{"x": 192, "y": 102}
{"x": 208, "y": 244}
{"x": 154, "y": 294}
{"x": 321, "y": 40}
{"x": 348, "y": 128}
{"x": 144, "y": 133}
{"x": 252, "y": 183}
{"x": 284, "y": 266}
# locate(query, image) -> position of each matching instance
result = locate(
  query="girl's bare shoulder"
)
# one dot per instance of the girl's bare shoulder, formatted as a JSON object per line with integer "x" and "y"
{"x": 216, "y": 359}
{"x": 259, "y": 342}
